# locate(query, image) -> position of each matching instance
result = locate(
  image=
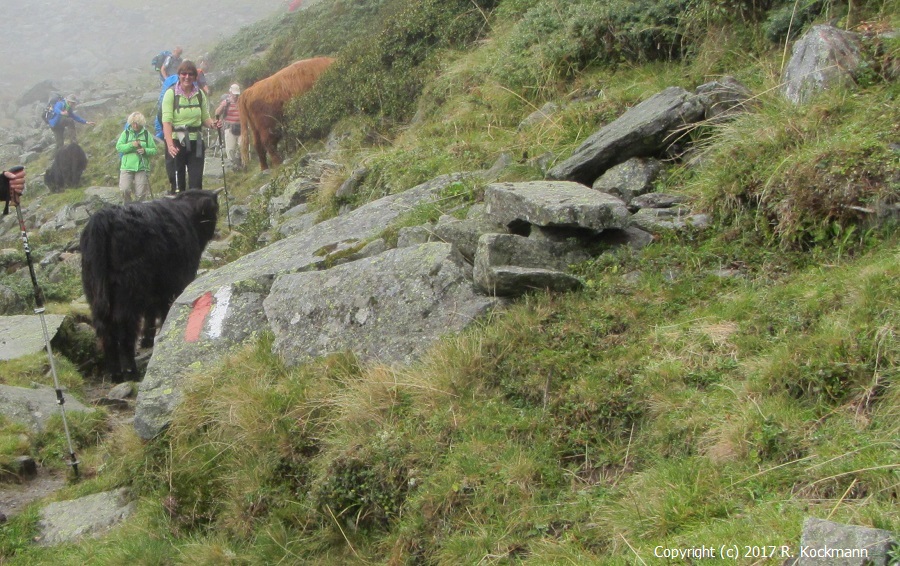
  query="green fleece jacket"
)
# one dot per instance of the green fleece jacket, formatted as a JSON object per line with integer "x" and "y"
{"x": 191, "y": 113}
{"x": 131, "y": 159}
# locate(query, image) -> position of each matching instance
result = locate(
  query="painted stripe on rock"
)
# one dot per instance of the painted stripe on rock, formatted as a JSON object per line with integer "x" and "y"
{"x": 197, "y": 317}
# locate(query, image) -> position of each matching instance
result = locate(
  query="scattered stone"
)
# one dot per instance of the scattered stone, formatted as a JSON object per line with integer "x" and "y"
{"x": 825, "y": 57}
{"x": 21, "y": 335}
{"x": 122, "y": 391}
{"x": 630, "y": 179}
{"x": 655, "y": 200}
{"x": 509, "y": 265}
{"x": 543, "y": 114}
{"x": 34, "y": 406}
{"x": 724, "y": 99}
{"x": 93, "y": 515}
{"x": 825, "y": 543}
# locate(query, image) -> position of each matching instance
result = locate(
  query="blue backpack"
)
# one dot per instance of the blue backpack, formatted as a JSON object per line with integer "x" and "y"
{"x": 158, "y": 61}
{"x": 48, "y": 110}
{"x": 167, "y": 84}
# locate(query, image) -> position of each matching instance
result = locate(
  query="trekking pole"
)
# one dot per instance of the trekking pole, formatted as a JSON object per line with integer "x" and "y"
{"x": 39, "y": 310}
{"x": 224, "y": 181}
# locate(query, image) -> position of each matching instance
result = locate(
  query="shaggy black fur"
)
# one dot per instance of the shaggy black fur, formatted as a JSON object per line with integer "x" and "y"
{"x": 66, "y": 169}
{"x": 136, "y": 259}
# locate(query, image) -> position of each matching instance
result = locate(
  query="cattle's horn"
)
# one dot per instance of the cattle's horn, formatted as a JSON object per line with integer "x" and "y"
{"x": 219, "y": 190}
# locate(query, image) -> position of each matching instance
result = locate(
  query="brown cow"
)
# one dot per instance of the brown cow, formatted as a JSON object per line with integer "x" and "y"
{"x": 262, "y": 106}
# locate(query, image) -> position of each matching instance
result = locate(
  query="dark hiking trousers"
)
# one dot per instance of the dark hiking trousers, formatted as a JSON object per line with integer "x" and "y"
{"x": 59, "y": 131}
{"x": 185, "y": 170}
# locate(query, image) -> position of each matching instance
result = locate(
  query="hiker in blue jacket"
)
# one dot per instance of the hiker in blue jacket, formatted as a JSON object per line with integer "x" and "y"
{"x": 64, "y": 118}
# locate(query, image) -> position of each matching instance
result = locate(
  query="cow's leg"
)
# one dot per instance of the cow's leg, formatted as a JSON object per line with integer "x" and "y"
{"x": 108, "y": 336}
{"x": 152, "y": 315}
{"x": 272, "y": 148}
{"x": 149, "y": 333}
{"x": 127, "y": 345}
{"x": 260, "y": 150}
{"x": 127, "y": 325}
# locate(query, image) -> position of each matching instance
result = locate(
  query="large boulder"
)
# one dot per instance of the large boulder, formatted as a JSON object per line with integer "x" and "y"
{"x": 387, "y": 308}
{"x": 643, "y": 131}
{"x": 223, "y": 308}
{"x": 823, "y": 58}
{"x": 560, "y": 204}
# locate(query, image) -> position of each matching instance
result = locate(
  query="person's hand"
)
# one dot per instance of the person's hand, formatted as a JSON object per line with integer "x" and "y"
{"x": 172, "y": 148}
{"x": 16, "y": 185}
{"x": 140, "y": 151}
{"x": 90, "y": 123}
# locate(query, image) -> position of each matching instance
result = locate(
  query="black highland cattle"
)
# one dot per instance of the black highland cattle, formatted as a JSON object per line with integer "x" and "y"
{"x": 66, "y": 169}
{"x": 136, "y": 259}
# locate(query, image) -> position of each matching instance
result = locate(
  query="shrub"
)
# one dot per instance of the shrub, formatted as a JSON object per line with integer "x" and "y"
{"x": 382, "y": 74}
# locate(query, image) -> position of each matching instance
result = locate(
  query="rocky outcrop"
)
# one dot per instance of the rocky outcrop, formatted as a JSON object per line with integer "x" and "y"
{"x": 225, "y": 307}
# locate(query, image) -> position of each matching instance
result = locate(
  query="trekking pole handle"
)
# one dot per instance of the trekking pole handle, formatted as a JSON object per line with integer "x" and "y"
{"x": 38, "y": 292}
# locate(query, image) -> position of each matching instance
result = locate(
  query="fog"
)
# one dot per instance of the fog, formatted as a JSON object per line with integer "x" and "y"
{"x": 62, "y": 40}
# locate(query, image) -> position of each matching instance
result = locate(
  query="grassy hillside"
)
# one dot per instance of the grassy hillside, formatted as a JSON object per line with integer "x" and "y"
{"x": 715, "y": 388}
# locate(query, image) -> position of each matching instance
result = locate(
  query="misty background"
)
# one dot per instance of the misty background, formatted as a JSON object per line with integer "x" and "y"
{"x": 69, "y": 41}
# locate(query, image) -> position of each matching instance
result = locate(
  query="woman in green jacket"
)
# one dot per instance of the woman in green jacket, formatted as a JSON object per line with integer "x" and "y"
{"x": 136, "y": 146}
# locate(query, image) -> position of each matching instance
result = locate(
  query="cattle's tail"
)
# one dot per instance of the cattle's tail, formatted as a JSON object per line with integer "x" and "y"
{"x": 95, "y": 268}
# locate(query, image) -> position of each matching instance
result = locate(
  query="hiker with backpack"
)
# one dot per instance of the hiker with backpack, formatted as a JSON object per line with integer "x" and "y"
{"x": 167, "y": 63}
{"x": 202, "y": 83}
{"x": 229, "y": 115}
{"x": 185, "y": 111}
{"x": 62, "y": 117}
{"x": 136, "y": 146}
{"x": 159, "y": 134}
